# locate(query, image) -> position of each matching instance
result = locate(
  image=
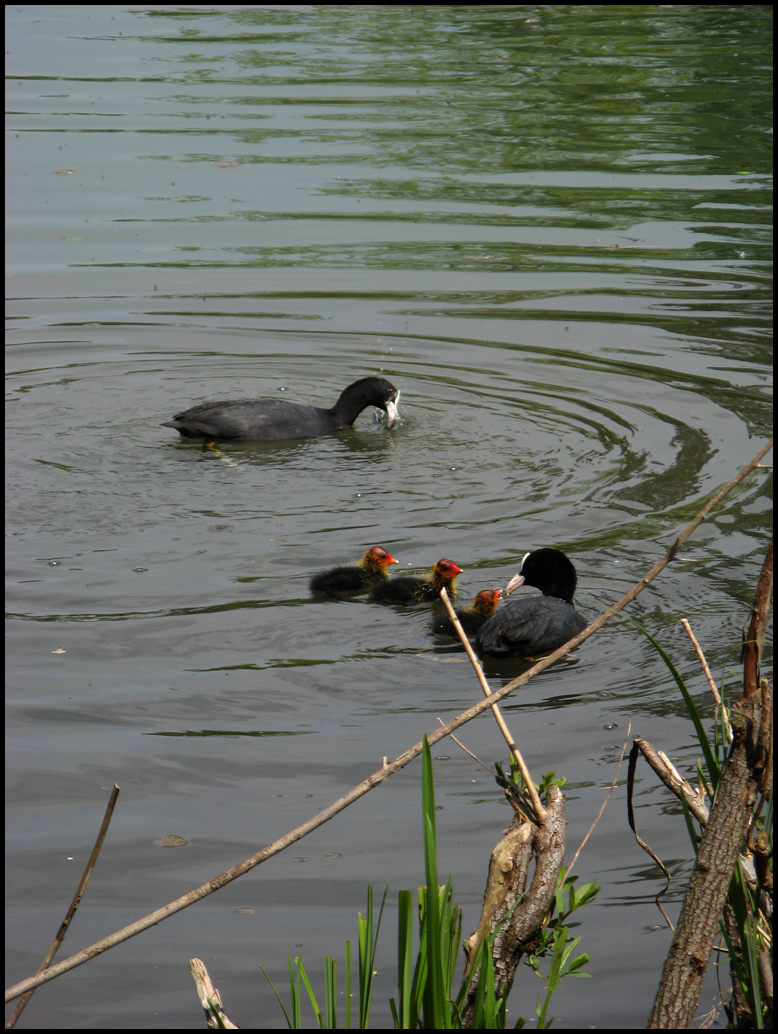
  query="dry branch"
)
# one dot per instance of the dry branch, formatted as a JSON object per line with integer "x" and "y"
{"x": 673, "y": 781}
{"x": 508, "y": 871}
{"x": 540, "y": 811}
{"x": 752, "y": 648}
{"x": 746, "y": 774}
{"x": 60, "y": 936}
{"x": 210, "y": 999}
{"x": 687, "y": 961}
{"x": 698, "y": 650}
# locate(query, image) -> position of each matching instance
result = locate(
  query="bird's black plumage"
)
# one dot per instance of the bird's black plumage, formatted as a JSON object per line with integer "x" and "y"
{"x": 268, "y": 419}
{"x": 356, "y": 577}
{"x": 535, "y": 625}
{"x": 410, "y": 588}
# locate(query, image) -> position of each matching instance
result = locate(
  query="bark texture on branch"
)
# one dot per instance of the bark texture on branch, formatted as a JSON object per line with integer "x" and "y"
{"x": 687, "y": 960}
{"x": 752, "y": 648}
{"x": 673, "y": 781}
{"x": 210, "y": 999}
{"x": 508, "y": 874}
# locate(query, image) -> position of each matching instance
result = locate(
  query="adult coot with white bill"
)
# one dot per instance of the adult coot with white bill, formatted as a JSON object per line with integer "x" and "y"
{"x": 535, "y": 625}
{"x": 254, "y": 420}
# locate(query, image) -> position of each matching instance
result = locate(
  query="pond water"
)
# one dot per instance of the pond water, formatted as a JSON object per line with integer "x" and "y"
{"x": 550, "y": 228}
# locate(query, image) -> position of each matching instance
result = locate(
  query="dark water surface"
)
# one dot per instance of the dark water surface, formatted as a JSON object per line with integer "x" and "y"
{"x": 551, "y": 228}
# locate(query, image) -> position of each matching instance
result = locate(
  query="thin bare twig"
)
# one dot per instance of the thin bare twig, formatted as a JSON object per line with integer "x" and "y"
{"x": 517, "y": 799}
{"x": 477, "y": 760}
{"x": 611, "y": 788}
{"x": 377, "y": 777}
{"x": 534, "y": 796}
{"x": 54, "y": 947}
{"x": 633, "y": 760}
{"x": 713, "y": 687}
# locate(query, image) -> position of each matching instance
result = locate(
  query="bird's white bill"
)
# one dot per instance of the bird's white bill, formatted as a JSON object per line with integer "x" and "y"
{"x": 391, "y": 410}
{"x": 515, "y": 583}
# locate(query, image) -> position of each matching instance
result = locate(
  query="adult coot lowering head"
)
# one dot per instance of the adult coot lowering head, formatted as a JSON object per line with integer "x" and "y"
{"x": 471, "y": 618}
{"x": 410, "y": 588}
{"x": 254, "y": 420}
{"x": 355, "y": 577}
{"x": 535, "y": 625}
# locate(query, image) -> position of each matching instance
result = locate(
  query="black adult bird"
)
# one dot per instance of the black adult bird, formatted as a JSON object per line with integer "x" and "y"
{"x": 410, "y": 588}
{"x": 471, "y": 618}
{"x": 253, "y": 420}
{"x": 356, "y": 577}
{"x": 535, "y": 625}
